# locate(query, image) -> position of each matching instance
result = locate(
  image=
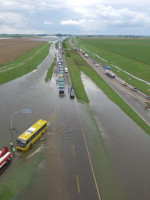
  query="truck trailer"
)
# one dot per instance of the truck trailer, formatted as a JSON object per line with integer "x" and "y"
{"x": 109, "y": 73}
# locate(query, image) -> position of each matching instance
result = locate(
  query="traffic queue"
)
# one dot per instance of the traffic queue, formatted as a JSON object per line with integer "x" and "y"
{"x": 61, "y": 71}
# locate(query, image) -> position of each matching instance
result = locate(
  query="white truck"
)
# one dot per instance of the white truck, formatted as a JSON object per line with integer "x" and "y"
{"x": 109, "y": 73}
{"x": 86, "y": 55}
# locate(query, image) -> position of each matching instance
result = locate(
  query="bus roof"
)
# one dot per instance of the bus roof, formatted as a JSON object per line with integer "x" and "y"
{"x": 29, "y": 132}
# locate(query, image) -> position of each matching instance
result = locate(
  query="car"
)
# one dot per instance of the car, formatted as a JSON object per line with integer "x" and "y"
{"x": 72, "y": 94}
{"x": 134, "y": 89}
{"x": 66, "y": 70}
{"x": 124, "y": 83}
{"x": 59, "y": 62}
{"x": 148, "y": 97}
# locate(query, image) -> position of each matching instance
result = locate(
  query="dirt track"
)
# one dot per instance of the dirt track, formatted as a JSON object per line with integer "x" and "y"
{"x": 11, "y": 49}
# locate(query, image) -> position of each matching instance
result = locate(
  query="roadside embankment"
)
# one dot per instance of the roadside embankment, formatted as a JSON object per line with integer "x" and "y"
{"x": 50, "y": 71}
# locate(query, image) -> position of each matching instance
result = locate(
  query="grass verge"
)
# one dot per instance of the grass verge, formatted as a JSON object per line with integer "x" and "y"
{"x": 24, "y": 64}
{"x": 50, "y": 71}
{"x": 76, "y": 64}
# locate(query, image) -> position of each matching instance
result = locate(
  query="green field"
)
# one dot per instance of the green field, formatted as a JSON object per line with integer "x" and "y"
{"x": 136, "y": 49}
{"x": 76, "y": 65}
{"x": 24, "y": 64}
{"x": 131, "y": 55}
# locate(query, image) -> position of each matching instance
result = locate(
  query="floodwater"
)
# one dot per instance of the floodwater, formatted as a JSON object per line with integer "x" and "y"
{"x": 119, "y": 149}
{"x": 127, "y": 144}
{"x": 64, "y": 170}
{"x": 25, "y": 92}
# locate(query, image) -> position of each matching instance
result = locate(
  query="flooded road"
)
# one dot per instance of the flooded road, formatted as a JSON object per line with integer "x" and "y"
{"x": 89, "y": 151}
{"x": 127, "y": 144}
{"x": 59, "y": 161}
{"x": 29, "y": 91}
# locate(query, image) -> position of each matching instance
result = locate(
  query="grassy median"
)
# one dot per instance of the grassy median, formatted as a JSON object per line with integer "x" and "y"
{"x": 76, "y": 65}
{"x": 50, "y": 71}
{"x": 24, "y": 64}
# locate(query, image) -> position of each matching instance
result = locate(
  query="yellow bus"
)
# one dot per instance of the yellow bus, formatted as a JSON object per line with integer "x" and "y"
{"x": 26, "y": 139}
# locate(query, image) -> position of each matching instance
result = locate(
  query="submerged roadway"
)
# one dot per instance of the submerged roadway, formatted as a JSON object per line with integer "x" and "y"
{"x": 66, "y": 172}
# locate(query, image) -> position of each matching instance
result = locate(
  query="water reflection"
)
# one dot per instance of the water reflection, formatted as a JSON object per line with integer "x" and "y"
{"x": 128, "y": 145}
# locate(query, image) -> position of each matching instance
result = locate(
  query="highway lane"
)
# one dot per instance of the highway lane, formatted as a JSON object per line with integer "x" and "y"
{"x": 80, "y": 180}
{"x": 79, "y": 173}
{"x": 67, "y": 171}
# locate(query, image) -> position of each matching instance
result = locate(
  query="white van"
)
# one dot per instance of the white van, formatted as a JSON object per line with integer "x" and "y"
{"x": 66, "y": 70}
{"x": 86, "y": 55}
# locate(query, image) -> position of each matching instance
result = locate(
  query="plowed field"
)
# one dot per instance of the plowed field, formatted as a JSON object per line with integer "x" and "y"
{"x": 11, "y": 49}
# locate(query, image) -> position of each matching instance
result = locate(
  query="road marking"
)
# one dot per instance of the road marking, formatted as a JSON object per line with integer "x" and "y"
{"x": 78, "y": 185}
{"x": 91, "y": 165}
{"x": 73, "y": 149}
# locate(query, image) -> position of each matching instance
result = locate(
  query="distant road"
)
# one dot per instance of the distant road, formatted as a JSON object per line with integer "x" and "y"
{"x": 136, "y": 100}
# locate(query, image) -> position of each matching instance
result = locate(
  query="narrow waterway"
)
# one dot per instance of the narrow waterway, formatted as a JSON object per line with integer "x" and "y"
{"x": 128, "y": 145}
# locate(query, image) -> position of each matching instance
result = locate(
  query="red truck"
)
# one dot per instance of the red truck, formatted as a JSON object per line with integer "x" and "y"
{"x": 5, "y": 156}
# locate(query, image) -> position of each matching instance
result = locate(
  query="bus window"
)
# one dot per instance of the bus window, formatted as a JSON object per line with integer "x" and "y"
{"x": 21, "y": 143}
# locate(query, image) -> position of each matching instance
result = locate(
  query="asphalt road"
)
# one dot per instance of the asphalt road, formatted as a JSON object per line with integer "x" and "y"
{"x": 80, "y": 177}
{"x": 136, "y": 100}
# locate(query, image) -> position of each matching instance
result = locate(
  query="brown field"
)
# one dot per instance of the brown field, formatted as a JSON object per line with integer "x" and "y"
{"x": 11, "y": 49}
